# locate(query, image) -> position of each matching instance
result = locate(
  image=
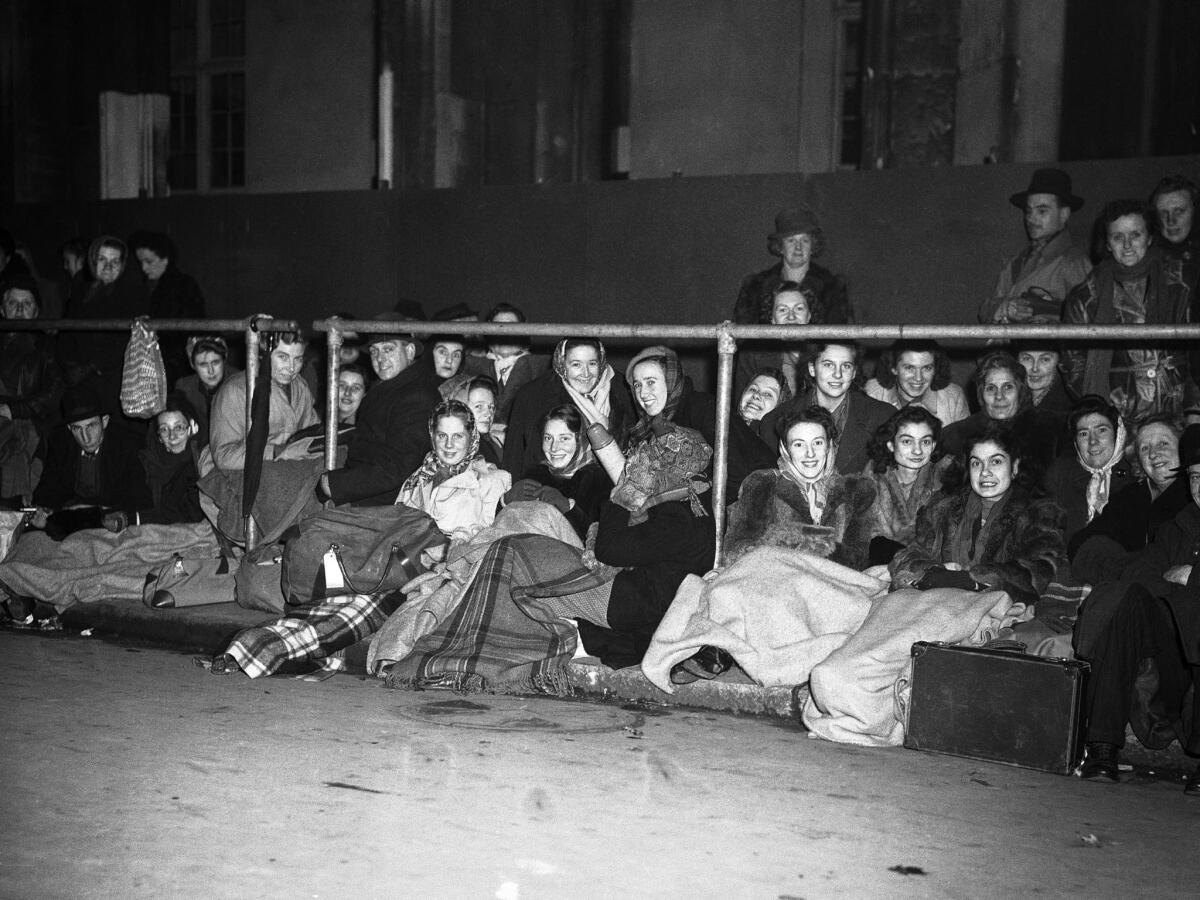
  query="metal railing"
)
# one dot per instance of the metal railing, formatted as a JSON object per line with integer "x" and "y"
{"x": 725, "y": 335}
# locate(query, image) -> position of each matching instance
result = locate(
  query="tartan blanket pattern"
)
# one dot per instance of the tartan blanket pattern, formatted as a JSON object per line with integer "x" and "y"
{"x": 510, "y": 632}
{"x": 316, "y": 634}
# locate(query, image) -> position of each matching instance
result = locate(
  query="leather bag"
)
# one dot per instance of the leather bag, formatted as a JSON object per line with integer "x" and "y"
{"x": 190, "y": 582}
{"x": 374, "y": 549}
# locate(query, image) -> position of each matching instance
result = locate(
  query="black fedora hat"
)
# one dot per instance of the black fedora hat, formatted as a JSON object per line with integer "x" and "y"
{"x": 81, "y": 402}
{"x": 1049, "y": 181}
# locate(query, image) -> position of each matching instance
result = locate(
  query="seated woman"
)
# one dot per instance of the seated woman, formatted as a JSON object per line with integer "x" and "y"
{"x": 208, "y": 355}
{"x": 446, "y": 353}
{"x": 906, "y": 468}
{"x": 171, "y": 463}
{"x": 479, "y": 394}
{"x": 803, "y": 503}
{"x": 918, "y": 373}
{"x": 454, "y": 484}
{"x": 568, "y": 478}
{"x": 766, "y": 390}
{"x": 1132, "y": 517}
{"x": 791, "y": 305}
{"x": 1082, "y": 485}
{"x": 991, "y": 534}
{"x": 581, "y": 375}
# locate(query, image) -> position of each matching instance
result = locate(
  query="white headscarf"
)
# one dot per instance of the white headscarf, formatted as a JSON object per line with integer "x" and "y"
{"x": 1101, "y": 480}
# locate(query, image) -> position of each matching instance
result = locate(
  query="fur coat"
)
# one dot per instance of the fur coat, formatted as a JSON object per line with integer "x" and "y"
{"x": 1021, "y": 556}
{"x": 771, "y": 511}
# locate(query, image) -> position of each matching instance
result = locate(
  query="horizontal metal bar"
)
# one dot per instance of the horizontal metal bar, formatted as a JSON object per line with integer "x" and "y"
{"x": 195, "y": 325}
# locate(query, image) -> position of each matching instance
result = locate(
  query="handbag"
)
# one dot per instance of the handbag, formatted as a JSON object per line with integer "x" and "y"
{"x": 190, "y": 582}
{"x": 258, "y": 582}
{"x": 143, "y": 376}
{"x": 372, "y": 549}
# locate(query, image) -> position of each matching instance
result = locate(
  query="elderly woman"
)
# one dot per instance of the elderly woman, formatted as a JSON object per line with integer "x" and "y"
{"x": 1083, "y": 484}
{"x": 803, "y": 503}
{"x": 208, "y": 355}
{"x": 1002, "y": 388}
{"x": 568, "y": 478}
{"x": 115, "y": 291}
{"x": 580, "y": 375}
{"x": 454, "y": 484}
{"x": 905, "y": 468}
{"x": 1133, "y": 515}
{"x": 1138, "y": 284}
{"x": 1043, "y": 374}
{"x": 797, "y": 240}
{"x": 918, "y": 373}
{"x": 791, "y": 305}
{"x": 991, "y": 534}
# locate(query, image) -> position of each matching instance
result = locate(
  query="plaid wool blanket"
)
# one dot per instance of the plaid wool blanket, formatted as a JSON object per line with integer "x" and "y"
{"x": 510, "y": 632}
{"x": 314, "y": 634}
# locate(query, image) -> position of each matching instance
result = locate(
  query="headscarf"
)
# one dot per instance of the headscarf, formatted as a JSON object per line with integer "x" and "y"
{"x": 668, "y": 466}
{"x": 432, "y": 470}
{"x": 1101, "y": 480}
{"x": 583, "y": 457}
{"x": 673, "y": 374}
{"x": 595, "y": 404}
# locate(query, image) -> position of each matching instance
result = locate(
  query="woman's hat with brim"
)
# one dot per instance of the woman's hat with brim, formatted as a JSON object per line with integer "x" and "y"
{"x": 1189, "y": 448}
{"x": 796, "y": 220}
{"x": 1049, "y": 181}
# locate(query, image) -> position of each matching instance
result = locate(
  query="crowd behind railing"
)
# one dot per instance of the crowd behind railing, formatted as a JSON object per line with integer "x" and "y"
{"x": 1053, "y": 498}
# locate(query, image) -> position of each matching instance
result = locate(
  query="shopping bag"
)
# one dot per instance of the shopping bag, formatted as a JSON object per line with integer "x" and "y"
{"x": 143, "y": 377}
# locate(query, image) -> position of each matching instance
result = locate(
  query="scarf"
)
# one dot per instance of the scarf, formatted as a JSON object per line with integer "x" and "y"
{"x": 504, "y": 364}
{"x": 668, "y": 466}
{"x": 673, "y": 373}
{"x": 595, "y": 404}
{"x": 161, "y": 466}
{"x": 432, "y": 471}
{"x": 583, "y": 457}
{"x": 815, "y": 492}
{"x": 971, "y": 535}
{"x": 1101, "y": 480}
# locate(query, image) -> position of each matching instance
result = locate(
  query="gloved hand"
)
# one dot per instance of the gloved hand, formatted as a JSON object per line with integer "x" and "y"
{"x": 555, "y": 498}
{"x": 939, "y": 577}
{"x": 115, "y": 521}
{"x": 525, "y": 489}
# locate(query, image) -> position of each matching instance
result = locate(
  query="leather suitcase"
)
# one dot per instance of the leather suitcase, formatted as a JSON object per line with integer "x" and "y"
{"x": 997, "y": 705}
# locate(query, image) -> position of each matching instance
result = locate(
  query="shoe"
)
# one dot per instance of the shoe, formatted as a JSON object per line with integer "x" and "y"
{"x": 1100, "y": 763}
{"x": 707, "y": 663}
{"x": 1191, "y": 787}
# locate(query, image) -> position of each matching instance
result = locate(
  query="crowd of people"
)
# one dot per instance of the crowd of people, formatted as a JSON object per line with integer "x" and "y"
{"x": 576, "y": 499}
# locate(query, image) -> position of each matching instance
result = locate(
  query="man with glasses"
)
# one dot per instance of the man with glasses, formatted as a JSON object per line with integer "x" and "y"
{"x": 89, "y": 469}
{"x": 392, "y": 425}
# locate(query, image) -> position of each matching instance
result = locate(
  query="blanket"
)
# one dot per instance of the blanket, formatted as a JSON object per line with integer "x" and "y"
{"x": 857, "y": 694}
{"x": 433, "y": 597}
{"x": 286, "y": 494}
{"x": 510, "y": 632}
{"x": 778, "y": 612}
{"x": 97, "y": 565}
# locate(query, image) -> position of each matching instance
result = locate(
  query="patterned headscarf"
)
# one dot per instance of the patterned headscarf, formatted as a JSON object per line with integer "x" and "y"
{"x": 431, "y": 468}
{"x": 670, "y": 466}
{"x": 673, "y": 374}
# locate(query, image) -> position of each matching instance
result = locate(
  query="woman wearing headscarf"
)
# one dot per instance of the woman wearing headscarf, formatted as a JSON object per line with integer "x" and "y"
{"x": 1137, "y": 284}
{"x": 454, "y": 484}
{"x": 580, "y": 375}
{"x": 1083, "y": 483}
{"x": 568, "y": 478}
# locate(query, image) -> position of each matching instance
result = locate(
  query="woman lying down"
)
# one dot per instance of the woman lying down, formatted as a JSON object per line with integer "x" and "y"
{"x": 982, "y": 555}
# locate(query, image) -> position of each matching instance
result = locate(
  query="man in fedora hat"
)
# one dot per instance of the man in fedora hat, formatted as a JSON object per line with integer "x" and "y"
{"x": 89, "y": 464}
{"x": 391, "y": 429}
{"x": 797, "y": 240}
{"x": 1033, "y": 284}
{"x": 1158, "y": 618}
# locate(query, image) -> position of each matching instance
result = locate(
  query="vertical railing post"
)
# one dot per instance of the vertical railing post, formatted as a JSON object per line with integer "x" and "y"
{"x": 333, "y": 347}
{"x": 726, "y": 348}
{"x": 249, "y": 526}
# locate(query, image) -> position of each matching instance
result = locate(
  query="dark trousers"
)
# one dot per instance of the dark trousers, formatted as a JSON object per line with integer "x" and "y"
{"x": 1142, "y": 628}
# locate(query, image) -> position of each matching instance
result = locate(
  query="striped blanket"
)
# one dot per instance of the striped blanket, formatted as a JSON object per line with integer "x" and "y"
{"x": 510, "y": 632}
